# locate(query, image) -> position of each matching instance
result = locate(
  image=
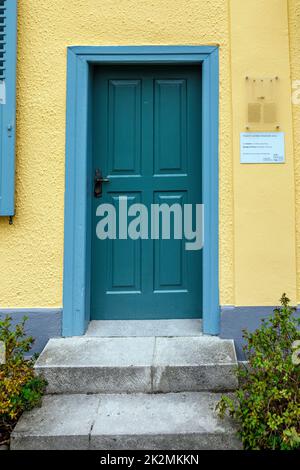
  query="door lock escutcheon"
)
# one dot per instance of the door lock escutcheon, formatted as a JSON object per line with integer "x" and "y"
{"x": 98, "y": 180}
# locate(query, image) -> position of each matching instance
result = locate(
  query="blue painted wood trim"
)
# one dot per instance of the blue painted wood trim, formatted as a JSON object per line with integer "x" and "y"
{"x": 126, "y": 51}
{"x": 8, "y": 114}
{"x": 76, "y": 255}
{"x": 211, "y": 307}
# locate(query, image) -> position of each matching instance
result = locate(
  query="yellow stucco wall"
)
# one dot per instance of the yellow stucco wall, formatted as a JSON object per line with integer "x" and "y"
{"x": 31, "y": 250}
{"x": 264, "y": 195}
{"x": 294, "y": 31}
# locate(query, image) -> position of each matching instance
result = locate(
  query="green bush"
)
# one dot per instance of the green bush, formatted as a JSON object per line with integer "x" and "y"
{"x": 20, "y": 389}
{"x": 266, "y": 405}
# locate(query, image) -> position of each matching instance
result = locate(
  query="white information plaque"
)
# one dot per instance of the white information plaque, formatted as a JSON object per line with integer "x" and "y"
{"x": 262, "y": 147}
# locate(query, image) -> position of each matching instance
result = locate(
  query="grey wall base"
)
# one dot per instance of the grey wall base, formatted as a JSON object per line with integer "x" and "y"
{"x": 42, "y": 324}
{"x": 46, "y": 323}
{"x": 235, "y": 319}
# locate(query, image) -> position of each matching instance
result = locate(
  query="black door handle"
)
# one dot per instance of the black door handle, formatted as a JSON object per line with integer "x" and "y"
{"x": 98, "y": 180}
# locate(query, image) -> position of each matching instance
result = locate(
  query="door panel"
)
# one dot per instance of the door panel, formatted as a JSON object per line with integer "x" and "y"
{"x": 169, "y": 258}
{"x": 124, "y": 112}
{"x": 123, "y": 261}
{"x": 147, "y": 141}
{"x": 170, "y": 139}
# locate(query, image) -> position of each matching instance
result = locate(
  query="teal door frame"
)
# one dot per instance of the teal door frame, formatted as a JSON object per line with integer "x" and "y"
{"x": 78, "y": 184}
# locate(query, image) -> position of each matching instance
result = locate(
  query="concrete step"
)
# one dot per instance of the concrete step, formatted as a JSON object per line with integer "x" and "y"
{"x": 138, "y": 364}
{"x": 135, "y": 421}
{"x": 111, "y": 328}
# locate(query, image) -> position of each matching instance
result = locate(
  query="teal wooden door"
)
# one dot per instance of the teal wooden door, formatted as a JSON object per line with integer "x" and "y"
{"x": 147, "y": 142}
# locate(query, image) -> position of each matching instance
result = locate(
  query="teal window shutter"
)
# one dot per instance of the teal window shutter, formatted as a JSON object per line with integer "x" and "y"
{"x": 8, "y": 52}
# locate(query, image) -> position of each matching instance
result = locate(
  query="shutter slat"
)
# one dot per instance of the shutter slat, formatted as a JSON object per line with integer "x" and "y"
{"x": 8, "y": 41}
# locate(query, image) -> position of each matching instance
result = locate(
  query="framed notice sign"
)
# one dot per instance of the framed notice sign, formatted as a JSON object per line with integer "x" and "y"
{"x": 262, "y": 147}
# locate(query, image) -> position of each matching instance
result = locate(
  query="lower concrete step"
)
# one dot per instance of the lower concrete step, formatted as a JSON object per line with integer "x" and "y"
{"x": 138, "y": 364}
{"x": 126, "y": 421}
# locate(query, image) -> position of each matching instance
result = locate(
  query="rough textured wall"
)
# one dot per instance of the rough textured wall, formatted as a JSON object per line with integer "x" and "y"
{"x": 294, "y": 28}
{"x": 31, "y": 250}
{"x": 264, "y": 194}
